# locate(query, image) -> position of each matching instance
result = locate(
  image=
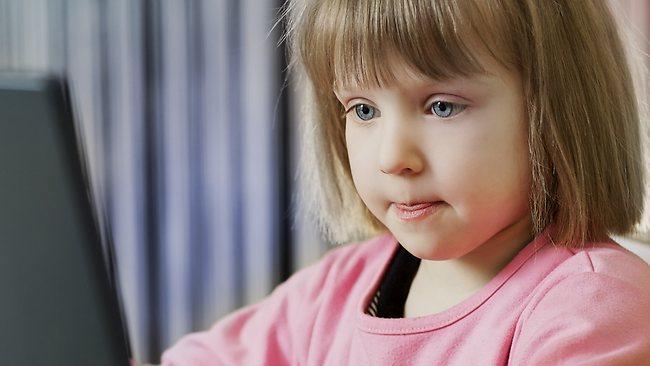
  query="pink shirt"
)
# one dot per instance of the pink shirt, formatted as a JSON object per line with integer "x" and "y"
{"x": 548, "y": 306}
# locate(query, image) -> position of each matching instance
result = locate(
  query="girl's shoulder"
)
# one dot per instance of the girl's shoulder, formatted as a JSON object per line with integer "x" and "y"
{"x": 343, "y": 261}
{"x": 605, "y": 259}
{"x": 357, "y": 260}
{"x": 593, "y": 308}
{"x": 370, "y": 251}
{"x": 588, "y": 275}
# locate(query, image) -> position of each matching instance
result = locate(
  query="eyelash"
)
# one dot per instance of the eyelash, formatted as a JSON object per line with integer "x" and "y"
{"x": 455, "y": 105}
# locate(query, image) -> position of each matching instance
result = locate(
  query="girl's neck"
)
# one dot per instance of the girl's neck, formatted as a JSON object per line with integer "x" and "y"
{"x": 441, "y": 284}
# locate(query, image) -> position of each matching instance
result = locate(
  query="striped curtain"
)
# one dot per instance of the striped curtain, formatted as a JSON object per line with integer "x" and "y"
{"x": 186, "y": 116}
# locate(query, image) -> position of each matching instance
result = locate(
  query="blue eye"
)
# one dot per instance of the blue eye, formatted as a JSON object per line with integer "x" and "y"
{"x": 444, "y": 109}
{"x": 441, "y": 108}
{"x": 364, "y": 111}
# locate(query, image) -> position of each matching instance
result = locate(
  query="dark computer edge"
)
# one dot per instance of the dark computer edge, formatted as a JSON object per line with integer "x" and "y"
{"x": 99, "y": 217}
{"x": 58, "y": 84}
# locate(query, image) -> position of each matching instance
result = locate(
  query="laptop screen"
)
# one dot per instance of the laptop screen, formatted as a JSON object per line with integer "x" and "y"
{"x": 58, "y": 305}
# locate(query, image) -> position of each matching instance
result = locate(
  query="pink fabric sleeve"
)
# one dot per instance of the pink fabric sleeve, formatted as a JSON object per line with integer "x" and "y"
{"x": 274, "y": 331}
{"x": 586, "y": 319}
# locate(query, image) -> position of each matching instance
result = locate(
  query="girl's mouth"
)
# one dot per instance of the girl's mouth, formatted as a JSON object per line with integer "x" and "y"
{"x": 416, "y": 212}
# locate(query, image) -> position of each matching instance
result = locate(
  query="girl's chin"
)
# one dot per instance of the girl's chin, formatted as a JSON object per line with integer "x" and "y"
{"x": 423, "y": 245}
{"x": 428, "y": 253}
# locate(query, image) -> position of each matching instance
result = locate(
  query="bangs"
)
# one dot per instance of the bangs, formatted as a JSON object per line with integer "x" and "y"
{"x": 366, "y": 39}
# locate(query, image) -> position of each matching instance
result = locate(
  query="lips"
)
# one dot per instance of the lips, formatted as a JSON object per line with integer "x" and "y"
{"x": 414, "y": 206}
{"x": 417, "y": 211}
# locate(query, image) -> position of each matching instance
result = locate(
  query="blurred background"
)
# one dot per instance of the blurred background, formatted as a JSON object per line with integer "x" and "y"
{"x": 191, "y": 129}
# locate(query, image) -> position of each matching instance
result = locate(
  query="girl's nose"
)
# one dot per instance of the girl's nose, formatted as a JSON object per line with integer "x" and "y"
{"x": 399, "y": 152}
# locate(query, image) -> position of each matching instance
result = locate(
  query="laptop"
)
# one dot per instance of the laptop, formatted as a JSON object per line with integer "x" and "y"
{"x": 59, "y": 301}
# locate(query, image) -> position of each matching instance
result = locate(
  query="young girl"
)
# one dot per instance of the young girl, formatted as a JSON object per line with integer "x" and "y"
{"x": 480, "y": 152}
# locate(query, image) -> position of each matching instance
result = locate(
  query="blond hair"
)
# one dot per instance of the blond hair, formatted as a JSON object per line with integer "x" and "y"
{"x": 584, "y": 132}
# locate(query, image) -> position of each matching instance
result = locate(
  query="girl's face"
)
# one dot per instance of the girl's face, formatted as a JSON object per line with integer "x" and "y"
{"x": 461, "y": 143}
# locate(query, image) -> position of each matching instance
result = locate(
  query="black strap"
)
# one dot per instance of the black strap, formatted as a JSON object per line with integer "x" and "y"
{"x": 391, "y": 297}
